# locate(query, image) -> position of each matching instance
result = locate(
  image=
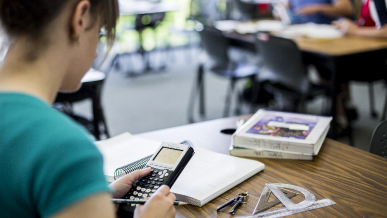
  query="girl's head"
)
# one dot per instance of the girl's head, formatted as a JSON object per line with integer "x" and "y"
{"x": 30, "y": 18}
{"x": 66, "y": 28}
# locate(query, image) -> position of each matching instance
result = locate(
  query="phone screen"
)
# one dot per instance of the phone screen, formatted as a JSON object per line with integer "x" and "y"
{"x": 168, "y": 156}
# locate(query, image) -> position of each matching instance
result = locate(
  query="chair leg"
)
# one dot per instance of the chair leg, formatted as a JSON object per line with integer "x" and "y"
{"x": 384, "y": 109}
{"x": 202, "y": 101}
{"x": 254, "y": 94}
{"x": 197, "y": 87}
{"x": 228, "y": 97}
{"x": 96, "y": 118}
{"x": 98, "y": 114}
{"x": 372, "y": 101}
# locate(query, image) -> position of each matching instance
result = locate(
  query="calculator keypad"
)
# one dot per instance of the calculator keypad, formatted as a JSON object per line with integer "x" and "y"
{"x": 145, "y": 187}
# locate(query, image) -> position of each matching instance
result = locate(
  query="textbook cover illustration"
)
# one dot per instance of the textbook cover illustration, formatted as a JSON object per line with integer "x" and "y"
{"x": 284, "y": 126}
{"x": 282, "y": 131}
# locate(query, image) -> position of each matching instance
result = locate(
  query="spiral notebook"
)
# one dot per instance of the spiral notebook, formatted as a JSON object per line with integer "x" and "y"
{"x": 206, "y": 176}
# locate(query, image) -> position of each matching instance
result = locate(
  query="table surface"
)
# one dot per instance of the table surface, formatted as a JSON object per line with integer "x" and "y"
{"x": 356, "y": 180}
{"x": 340, "y": 46}
{"x": 335, "y": 46}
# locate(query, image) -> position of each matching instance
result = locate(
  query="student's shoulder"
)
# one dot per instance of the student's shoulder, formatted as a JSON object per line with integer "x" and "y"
{"x": 39, "y": 123}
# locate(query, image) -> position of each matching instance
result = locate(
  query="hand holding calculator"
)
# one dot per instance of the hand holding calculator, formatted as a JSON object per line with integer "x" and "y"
{"x": 166, "y": 165}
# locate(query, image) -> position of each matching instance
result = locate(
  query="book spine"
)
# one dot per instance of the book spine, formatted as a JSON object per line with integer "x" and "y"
{"x": 272, "y": 145}
{"x": 269, "y": 154}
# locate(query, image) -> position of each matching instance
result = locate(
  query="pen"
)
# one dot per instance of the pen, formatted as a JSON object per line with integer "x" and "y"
{"x": 128, "y": 201}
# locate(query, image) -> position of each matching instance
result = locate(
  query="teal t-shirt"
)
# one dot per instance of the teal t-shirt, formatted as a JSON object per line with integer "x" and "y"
{"x": 47, "y": 162}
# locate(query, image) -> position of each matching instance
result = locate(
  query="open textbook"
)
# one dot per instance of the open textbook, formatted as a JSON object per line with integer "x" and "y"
{"x": 206, "y": 176}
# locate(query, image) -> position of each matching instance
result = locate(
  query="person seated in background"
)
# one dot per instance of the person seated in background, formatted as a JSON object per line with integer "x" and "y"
{"x": 318, "y": 11}
{"x": 49, "y": 165}
{"x": 372, "y": 21}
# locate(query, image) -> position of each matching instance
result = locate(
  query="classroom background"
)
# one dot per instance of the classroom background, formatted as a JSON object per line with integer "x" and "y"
{"x": 137, "y": 100}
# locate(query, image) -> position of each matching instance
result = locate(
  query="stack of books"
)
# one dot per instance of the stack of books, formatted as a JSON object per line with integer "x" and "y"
{"x": 282, "y": 135}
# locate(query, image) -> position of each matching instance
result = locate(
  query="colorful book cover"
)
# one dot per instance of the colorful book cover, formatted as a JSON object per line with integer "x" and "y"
{"x": 281, "y": 126}
{"x": 284, "y": 126}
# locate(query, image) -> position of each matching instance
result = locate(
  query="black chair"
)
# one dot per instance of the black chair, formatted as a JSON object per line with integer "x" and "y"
{"x": 286, "y": 77}
{"x": 218, "y": 62}
{"x": 91, "y": 89}
{"x": 283, "y": 68}
{"x": 378, "y": 144}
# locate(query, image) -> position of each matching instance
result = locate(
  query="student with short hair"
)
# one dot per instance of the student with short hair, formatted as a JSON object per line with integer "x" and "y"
{"x": 49, "y": 165}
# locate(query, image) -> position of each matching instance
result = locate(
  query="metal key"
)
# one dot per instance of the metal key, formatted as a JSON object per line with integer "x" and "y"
{"x": 242, "y": 198}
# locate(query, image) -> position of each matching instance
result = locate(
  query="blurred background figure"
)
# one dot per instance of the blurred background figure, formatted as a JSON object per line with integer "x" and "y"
{"x": 371, "y": 22}
{"x": 315, "y": 11}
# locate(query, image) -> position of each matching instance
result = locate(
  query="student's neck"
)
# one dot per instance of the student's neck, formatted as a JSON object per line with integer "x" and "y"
{"x": 40, "y": 78}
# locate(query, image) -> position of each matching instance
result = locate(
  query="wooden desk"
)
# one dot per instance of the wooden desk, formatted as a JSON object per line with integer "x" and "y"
{"x": 356, "y": 180}
{"x": 346, "y": 58}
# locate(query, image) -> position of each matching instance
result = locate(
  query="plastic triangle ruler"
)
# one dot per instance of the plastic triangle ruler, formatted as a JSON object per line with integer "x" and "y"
{"x": 290, "y": 208}
{"x": 264, "y": 203}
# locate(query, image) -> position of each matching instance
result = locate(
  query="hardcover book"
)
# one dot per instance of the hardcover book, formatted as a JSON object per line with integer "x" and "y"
{"x": 282, "y": 132}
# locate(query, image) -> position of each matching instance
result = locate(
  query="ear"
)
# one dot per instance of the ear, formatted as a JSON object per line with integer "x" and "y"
{"x": 80, "y": 18}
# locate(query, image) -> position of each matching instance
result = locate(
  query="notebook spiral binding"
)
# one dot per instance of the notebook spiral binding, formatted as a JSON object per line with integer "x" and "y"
{"x": 139, "y": 164}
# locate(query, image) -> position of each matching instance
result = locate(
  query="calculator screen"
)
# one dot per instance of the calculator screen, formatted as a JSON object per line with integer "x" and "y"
{"x": 168, "y": 156}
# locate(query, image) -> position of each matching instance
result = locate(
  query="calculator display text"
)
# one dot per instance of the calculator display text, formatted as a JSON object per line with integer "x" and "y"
{"x": 168, "y": 156}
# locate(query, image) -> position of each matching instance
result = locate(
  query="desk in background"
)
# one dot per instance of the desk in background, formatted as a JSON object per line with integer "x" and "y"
{"x": 356, "y": 180}
{"x": 346, "y": 58}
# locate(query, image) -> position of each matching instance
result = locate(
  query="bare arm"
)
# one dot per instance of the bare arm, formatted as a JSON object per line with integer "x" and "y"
{"x": 99, "y": 205}
{"x": 350, "y": 28}
{"x": 339, "y": 8}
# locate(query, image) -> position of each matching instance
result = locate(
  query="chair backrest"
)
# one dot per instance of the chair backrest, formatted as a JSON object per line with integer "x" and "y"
{"x": 216, "y": 46}
{"x": 282, "y": 62}
{"x": 378, "y": 144}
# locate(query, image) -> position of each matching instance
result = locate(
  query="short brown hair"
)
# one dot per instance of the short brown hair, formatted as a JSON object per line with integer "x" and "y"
{"x": 31, "y": 17}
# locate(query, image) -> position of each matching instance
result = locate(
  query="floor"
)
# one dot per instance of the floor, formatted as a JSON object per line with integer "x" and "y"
{"x": 156, "y": 100}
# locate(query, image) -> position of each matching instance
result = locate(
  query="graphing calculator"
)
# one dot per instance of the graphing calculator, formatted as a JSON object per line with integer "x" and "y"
{"x": 167, "y": 163}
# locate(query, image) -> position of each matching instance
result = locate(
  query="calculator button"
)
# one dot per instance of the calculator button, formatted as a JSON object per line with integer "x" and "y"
{"x": 143, "y": 189}
{"x": 135, "y": 192}
{"x": 153, "y": 174}
{"x": 148, "y": 190}
{"x": 156, "y": 187}
{"x": 139, "y": 194}
{"x": 131, "y": 197}
{"x": 160, "y": 173}
{"x": 145, "y": 195}
{"x": 137, "y": 199}
{"x": 138, "y": 188}
{"x": 156, "y": 179}
{"x": 153, "y": 190}
{"x": 161, "y": 177}
{"x": 161, "y": 180}
{"x": 132, "y": 205}
{"x": 159, "y": 183}
{"x": 166, "y": 174}
{"x": 165, "y": 171}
